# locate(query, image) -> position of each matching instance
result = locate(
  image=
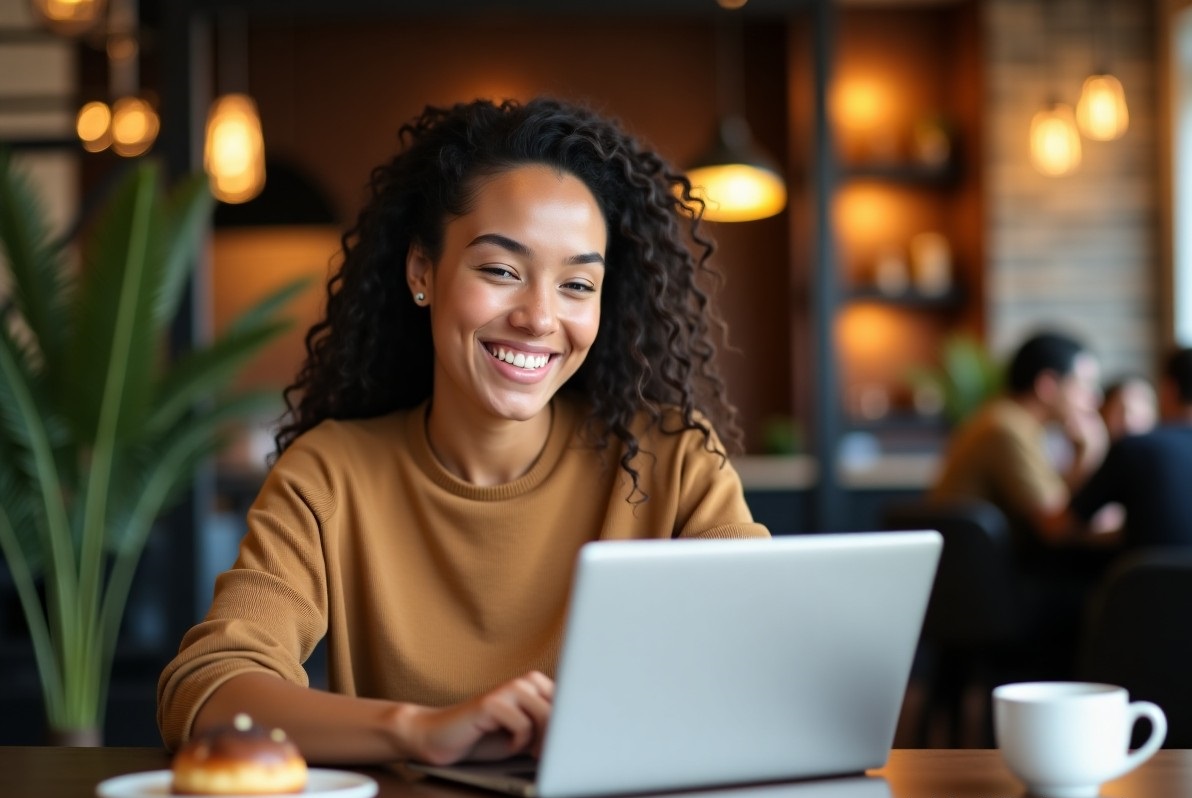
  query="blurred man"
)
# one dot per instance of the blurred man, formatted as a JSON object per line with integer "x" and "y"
{"x": 1004, "y": 455}
{"x": 1001, "y": 453}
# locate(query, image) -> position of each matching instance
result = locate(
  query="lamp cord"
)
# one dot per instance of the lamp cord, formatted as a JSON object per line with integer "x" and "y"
{"x": 232, "y": 48}
{"x": 1101, "y": 33}
{"x": 730, "y": 67}
{"x": 1050, "y": 67}
{"x": 123, "y": 48}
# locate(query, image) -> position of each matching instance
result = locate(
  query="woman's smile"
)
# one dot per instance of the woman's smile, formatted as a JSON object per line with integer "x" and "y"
{"x": 518, "y": 363}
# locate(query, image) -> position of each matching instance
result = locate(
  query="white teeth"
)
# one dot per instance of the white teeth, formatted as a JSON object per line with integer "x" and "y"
{"x": 520, "y": 359}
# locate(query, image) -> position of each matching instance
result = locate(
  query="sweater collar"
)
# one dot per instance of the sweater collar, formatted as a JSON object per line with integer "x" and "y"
{"x": 564, "y": 419}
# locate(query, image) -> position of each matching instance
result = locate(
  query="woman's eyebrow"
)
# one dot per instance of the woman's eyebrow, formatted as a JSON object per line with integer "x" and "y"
{"x": 518, "y": 248}
{"x": 587, "y": 257}
{"x": 504, "y": 242}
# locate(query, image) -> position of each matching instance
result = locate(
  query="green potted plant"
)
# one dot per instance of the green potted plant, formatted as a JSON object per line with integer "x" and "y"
{"x": 101, "y": 428}
{"x": 966, "y": 376}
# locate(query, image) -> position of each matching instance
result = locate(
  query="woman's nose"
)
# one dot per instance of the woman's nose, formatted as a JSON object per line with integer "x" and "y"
{"x": 535, "y": 312}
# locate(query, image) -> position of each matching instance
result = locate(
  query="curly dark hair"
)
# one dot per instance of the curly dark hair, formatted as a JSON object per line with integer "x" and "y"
{"x": 654, "y": 350}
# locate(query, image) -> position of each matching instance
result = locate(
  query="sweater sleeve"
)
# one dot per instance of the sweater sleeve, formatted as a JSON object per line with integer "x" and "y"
{"x": 270, "y": 608}
{"x": 711, "y": 501}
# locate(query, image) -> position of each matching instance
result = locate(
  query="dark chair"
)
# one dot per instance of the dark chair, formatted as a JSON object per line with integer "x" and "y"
{"x": 1139, "y": 634}
{"x": 974, "y": 632}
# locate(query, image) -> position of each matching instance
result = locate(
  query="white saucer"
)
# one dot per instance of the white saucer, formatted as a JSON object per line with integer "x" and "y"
{"x": 320, "y": 783}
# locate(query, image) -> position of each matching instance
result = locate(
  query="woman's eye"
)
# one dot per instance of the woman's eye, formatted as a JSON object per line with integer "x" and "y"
{"x": 584, "y": 288}
{"x": 497, "y": 271}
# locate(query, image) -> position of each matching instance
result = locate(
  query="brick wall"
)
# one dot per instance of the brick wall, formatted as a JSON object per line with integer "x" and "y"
{"x": 1079, "y": 250}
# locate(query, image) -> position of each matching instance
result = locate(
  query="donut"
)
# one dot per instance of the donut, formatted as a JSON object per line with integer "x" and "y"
{"x": 238, "y": 759}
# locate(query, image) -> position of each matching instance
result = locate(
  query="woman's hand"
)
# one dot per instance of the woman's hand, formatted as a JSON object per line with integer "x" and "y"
{"x": 509, "y": 719}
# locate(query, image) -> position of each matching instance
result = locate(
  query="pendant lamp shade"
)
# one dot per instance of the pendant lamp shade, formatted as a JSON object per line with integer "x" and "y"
{"x": 1101, "y": 111}
{"x": 1055, "y": 142}
{"x": 234, "y": 153}
{"x": 134, "y": 126}
{"x": 737, "y": 181}
{"x": 69, "y": 17}
{"x": 93, "y": 124}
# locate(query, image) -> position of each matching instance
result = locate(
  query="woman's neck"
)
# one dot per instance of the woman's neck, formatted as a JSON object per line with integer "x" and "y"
{"x": 486, "y": 454}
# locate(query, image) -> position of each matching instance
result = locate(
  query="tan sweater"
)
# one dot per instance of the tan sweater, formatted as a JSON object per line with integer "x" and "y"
{"x": 429, "y": 589}
{"x": 1000, "y": 455}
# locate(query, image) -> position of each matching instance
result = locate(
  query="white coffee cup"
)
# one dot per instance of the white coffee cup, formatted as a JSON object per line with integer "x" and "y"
{"x": 1065, "y": 739}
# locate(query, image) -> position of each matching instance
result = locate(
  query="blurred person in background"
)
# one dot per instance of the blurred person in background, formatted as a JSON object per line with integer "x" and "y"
{"x": 1001, "y": 453}
{"x": 1148, "y": 474}
{"x": 1130, "y": 406}
{"x": 1004, "y": 454}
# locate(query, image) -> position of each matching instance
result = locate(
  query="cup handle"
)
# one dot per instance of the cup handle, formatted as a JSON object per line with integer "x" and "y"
{"x": 1145, "y": 709}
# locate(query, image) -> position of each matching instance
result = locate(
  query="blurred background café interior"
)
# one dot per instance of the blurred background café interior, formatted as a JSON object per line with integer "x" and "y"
{"x": 930, "y": 218}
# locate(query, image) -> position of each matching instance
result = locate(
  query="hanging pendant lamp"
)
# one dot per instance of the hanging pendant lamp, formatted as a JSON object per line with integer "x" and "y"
{"x": 1055, "y": 142}
{"x": 69, "y": 17}
{"x": 130, "y": 124}
{"x": 1054, "y": 139}
{"x": 234, "y": 149}
{"x": 234, "y": 153}
{"x": 736, "y": 180}
{"x": 1101, "y": 111}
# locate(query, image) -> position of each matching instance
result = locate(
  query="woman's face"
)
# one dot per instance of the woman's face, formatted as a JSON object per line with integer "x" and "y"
{"x": 515, "y": 297}
{"x": 1080, "y": 390}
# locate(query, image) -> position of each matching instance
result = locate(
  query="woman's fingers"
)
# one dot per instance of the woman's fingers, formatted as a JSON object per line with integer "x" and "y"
{"x": 509, "y": 719}
{"x": 521, "y": 708}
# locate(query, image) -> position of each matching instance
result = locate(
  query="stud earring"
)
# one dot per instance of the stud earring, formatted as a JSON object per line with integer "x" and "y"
{"x": 419, "y": 297}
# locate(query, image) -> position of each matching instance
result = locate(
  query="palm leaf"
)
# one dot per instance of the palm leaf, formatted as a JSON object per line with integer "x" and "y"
{"x": 180, "y": 453}
{"x": 62, "y": 594}
{"x": 267, "y": 308}
{"x": 17, "y": 502}
{"x": 118, "y": 339}
{"x": 115, "y": 343}
{"x": 32, "y": 457}
{"x": 150, "y": 462}
{"x": 185, "y": 220}
{"x": 39, "y": 288}
{"x": 203, "y": 372}
{"x": 19, "y": 567}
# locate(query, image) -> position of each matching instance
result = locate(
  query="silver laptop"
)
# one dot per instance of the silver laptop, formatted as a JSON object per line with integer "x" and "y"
{"x": 702, "y": 663}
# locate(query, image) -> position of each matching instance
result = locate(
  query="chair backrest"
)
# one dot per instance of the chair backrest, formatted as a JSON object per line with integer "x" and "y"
{"x": 975, "y": 600}
{"x": 1139, "y": 634}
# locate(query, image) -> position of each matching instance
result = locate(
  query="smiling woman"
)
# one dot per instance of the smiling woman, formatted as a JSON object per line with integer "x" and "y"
{"x": 516, "y": 358}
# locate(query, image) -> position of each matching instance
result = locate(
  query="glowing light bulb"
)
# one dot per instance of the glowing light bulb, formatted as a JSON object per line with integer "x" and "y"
{"x": 1055, "y": 142}
{"x": 134, "y": 126}
{"x": 93, "y": 124}
{"x": 234, "y": 154}
{"x": 69, "y": 17}
{"x": 1101, "y": 111}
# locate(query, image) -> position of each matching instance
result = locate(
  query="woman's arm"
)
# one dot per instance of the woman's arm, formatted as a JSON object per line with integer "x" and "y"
{"x": 330, "y": 728}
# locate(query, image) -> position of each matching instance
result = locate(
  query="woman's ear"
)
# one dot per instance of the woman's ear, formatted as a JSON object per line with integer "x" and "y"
{"x": 418, "y": 273}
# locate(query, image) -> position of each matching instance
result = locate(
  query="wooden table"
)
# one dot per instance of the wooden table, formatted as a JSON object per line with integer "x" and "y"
{"x": 35, "y": 772}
